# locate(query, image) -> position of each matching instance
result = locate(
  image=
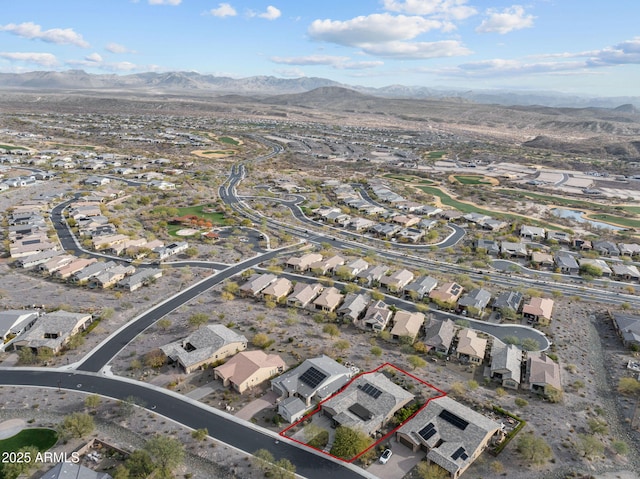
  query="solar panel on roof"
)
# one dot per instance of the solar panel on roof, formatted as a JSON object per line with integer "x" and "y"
{"x": 453, "y": 419}
{"x": 371, "y": 390}
{"x": 460, "y": 453}
{"x": 427, "y": 432}
{"x": 312, "y": 377}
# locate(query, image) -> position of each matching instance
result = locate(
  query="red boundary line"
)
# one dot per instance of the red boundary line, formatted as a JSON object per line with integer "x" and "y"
{"x": 383, "y": 438}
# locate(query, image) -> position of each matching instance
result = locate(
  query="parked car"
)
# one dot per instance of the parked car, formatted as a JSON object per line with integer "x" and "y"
{"x": 385, "y": 456}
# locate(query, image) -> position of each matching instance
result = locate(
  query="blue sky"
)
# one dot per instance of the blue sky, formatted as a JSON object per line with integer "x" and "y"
{"x": 587, "y": 47}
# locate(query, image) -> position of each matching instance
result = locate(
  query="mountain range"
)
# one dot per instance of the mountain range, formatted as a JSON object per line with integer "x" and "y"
{"x": 196, "y": 84}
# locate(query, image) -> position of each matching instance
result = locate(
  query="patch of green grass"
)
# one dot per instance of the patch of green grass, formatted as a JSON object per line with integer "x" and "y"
{"x": 41, "y": 438}
{"x": 547, "y": 199}
{"x": 436, "y": 154}
{"x": 84, "y": 147}
{"x": 615, "y": 220}
{"x": 10, "y": 147}
{"x": 467, "y": 208}
{"x": 409, "y": 179}
{"x": 219, "y": 152}
{"x": 471, "y": 180}
{"x": 215, "y": 218}
{"x": 228, "y": 140}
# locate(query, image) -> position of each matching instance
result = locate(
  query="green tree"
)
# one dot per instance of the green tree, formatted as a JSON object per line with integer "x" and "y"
{"x": 262, "y": 460}
{"x": 154, "y": 358}
{"x": 26, "y": 356}
{"x": 191, "y": 252}
{"x": 76, "y": 425}
{"x": 198, "y": 319}
{"x": 261, "y": 340}
{"x": 416, "y": 361}
{"x": 628, "y": 386}
{"x": 200, "y": 434}
{"x": 92, "y": 401}
{"x": 11, "y": 470}
{"x": 349, "y": 442}
{"x": 590, "y": 270}
{"x": 589, "y": 446}
{"x": 430, "y": 470}
{"x": 331, "y": 329}
{"x": 121, "y": 472}
{"x": 530, "y": 344}
{"x": 376, "y": 351}
{"x": 598, "y": 426}
{"x": 620, "y": 447}
{"x": 164, "y": 324}
{"x": 166, "y": 452}
{"x": 140, "y": 464}
{"x": 533, "y": 449}
{"x": 342, "y": 345}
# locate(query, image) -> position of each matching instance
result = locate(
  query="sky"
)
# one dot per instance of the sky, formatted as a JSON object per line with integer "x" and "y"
{"x": 582, "y": 47}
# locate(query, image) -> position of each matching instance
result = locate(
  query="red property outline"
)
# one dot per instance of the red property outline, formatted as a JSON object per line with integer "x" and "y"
{"x": 316, "y": 410}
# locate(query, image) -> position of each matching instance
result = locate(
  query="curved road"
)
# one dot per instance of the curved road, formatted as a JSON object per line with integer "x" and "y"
{"x": 240, "y": 434}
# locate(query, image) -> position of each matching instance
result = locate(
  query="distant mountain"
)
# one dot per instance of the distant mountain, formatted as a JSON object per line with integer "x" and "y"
{"x": 193, "y": 83}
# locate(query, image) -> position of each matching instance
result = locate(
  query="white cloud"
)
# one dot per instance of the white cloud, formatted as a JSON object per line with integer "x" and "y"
{"x": 165, "y": 2}
{"x": 42, "y": 59}
{"x": 223, "y": 10}
{"x": 376, "y": 28}
{"x": 627, "y": 52}
{"x": 117, "y": 48}
{"x": 417, "y": 50}
{"x": 339, "y": 63}
{"x": 32, "y": 31}
{"x": 512, "y": 18}
{"x": 271, "y": 14}
{"x": 94, "y": 57}
{"x": 455, "y": 9}
{"x": 310, "y": 60}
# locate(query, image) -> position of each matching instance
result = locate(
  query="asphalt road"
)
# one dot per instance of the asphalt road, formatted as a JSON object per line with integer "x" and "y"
{"x": 111, "y": 346}
{"x": 221, "y": 426}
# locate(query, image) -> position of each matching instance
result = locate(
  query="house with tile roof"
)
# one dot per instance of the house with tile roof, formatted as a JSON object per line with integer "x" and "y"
{"x": 542, "y": 373}
{"x": 471, "y": 347}
{"x": 367, "y": 403}
{"x": 208, "y": 344}
{"x": 439, "y": 335}
{"x": 248, "y": 369}
{"x": 329, "y": 300}
{"x": 303, "y": 294}
{"x": 52, "y": 331}
{"x": 354, "y": 306}
{"x": 314, "y": 380}
{"x": 506, "y": 364}
{"x": 538, "y": 310}
{"x": 376, "y": 317}
{"x": 452, "y": 435}
{"x": 406, "y": 325}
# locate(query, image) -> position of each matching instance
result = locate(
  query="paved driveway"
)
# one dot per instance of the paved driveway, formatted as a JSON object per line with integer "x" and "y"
{"x": 402, "y": 461}
{"x": 254, "y": 407}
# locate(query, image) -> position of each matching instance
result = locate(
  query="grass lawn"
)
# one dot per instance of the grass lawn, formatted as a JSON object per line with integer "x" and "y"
{"x": 84, "y": 147}
{"x": 215, "y": 218}
{"x": 9, "y": 147}
{"x": 436, "y": 154}
{"x": 616, "y": 220}
{"x": 228, "y": 140}
{"x": 467, "y": 208}
{"x": 41, "y": 438}
{"x": 408, "y": 179}
{"x": 219, "y": 152}
{"x": 472, "y": 180}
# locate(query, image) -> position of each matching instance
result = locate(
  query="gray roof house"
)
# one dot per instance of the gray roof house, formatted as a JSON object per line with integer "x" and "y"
{"x": 628, "y": 327}
{"x": 421, "y": 287}
{"x": 376, "y": 318}
{"x": 372, "y": 274}
{"x": 15, "y": 321}
{"x": 367, "y": 403}
{"x": 508, "y": 300}
{"x": 439, "y": 335}
{"x": 453, "y": 435}
{"x": 567, "y": 263}
{"x": 477, "y": 298}
{"x": 206, "y": 345}
{"x": 606, "y": 248}
{"x": 52, "y": 330}
{"x": 354, "y": 306}
{"x": 69, "y": 470}
{"x": 625, "y": 271}
{"x": 315, "y": 379}
{"x": 490, "y": 246}
{"x": 506, "y": 364}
